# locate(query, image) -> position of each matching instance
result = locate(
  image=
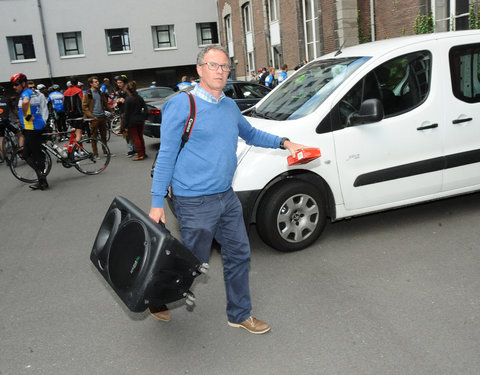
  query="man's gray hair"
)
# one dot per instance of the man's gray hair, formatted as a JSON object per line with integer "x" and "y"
{"x": 204, "y": 51}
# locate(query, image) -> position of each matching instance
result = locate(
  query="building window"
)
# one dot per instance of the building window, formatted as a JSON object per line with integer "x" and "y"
{"x": 229, "y": 35}
{"x": 70, "y": 44}
{"x": 118, "y": 40}
{"x": 228, "y": 29}
{"x": 163, "y": 36}
{"x": 310, "y": 24}
{"x": 273, "y": 13}
{"x": 207, "y": 33}
{"x": 451, "y": 15}
{"x": 21, "y": 47}
{"x": 250, "y": 62}
{"x": 247, "y": 18}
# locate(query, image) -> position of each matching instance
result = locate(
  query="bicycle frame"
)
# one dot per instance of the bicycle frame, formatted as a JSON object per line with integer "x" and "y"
{"x": 71, "y": 143}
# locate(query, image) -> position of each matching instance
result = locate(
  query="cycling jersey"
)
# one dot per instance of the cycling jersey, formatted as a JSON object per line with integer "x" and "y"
{"x": 282, "y": 77}
{"x": 56, "y": 98}
{"x": 36, "y": 121}
{"x": 269, "y": 80}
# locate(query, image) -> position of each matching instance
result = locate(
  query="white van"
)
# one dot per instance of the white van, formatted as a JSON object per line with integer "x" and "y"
{"x": 397, "y": 122}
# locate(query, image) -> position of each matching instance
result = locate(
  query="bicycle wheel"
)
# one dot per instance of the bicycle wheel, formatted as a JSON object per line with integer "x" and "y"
{"x": 115, "y": 125}
{"x": 85, "y": 160}
{"x": 8, "y": 147}
{"x": 24, "y": 172}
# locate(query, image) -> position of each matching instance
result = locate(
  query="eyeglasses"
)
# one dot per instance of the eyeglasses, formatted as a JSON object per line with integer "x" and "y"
{"x": 214, "y": 66}
{"x": 16, "y": 84}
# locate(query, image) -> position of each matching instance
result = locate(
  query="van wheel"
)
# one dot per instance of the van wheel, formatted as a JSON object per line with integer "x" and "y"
{"x": 291, "y": 216}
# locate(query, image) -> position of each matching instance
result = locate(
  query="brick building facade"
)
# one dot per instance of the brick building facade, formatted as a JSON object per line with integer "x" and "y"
{"x": 263, "y": 33}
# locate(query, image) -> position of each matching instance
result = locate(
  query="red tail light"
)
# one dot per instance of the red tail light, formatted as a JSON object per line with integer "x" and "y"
{"x": 153, "y": 111}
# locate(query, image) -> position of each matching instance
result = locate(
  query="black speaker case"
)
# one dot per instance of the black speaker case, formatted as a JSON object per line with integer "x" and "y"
{"x": 142, "y": 262}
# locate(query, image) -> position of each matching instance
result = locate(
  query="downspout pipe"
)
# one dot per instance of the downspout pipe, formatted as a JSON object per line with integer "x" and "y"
{"x": 372, "y": 19}
{"x": 42, "y": 24}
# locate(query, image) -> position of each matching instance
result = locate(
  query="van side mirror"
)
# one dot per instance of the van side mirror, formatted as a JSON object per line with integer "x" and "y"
{"x": 371, "y": 110}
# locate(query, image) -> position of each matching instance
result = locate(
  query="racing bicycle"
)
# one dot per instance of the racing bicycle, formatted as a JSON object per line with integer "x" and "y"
{"x": 74, "y": 154}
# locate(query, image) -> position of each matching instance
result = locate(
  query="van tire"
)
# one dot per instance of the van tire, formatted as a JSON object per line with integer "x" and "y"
{"x": 291, "y": 216}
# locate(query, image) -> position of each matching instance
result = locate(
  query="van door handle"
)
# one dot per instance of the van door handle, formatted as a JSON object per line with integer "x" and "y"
{"x": 431, "y": 126}
{"x": 459, "y": 121}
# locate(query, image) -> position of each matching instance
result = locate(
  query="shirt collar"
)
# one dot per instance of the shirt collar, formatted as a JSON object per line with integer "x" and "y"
{"x": 202, "y": 94}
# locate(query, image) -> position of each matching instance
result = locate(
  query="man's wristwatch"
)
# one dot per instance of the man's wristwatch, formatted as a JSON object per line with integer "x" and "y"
{"x": 282, "y": 142}
{"x": 28, "y": 117}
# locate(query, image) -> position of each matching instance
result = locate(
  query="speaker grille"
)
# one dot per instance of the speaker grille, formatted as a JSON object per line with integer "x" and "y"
{"x": 127, "y": 256}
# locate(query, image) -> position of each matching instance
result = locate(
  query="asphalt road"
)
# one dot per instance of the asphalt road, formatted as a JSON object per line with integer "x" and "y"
{"x": 390, "y": 293}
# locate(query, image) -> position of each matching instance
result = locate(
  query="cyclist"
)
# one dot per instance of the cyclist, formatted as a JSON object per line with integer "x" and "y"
{"x": 72, "y": 105}
{"x": 56, "y": 100}
{"x": 33, "y": 124}
{"x": 5, "y": 106}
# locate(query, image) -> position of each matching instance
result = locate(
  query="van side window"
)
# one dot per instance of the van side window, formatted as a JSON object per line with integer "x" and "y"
{"x": 401, "y": 84}
{"x": 465, "y": 72}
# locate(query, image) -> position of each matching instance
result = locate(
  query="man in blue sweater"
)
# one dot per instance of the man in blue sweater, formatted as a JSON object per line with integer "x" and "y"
{"x": 201, "y": 180}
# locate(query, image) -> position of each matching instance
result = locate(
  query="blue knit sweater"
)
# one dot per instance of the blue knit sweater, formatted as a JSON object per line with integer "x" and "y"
{"x": 207, "y": 162}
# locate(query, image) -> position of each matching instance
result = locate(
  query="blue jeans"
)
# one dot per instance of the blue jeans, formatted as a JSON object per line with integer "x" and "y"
{"x": 219, "y": 216}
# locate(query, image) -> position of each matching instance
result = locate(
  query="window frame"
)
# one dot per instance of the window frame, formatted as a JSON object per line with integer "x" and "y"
{"x": 475, "y": 81}
{"x": 62, "y": 47}
{"x": 314, "y": 41}
{"x": 451, "y": 9}
{"x": 16, "y": 40}
{"x": 202, "y": 27}
{"x": 124, "y": 37}
{"x": 172, "y": 40}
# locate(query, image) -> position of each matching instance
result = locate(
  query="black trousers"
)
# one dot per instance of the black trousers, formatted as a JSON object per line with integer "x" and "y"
{"x": 32, "y": 152}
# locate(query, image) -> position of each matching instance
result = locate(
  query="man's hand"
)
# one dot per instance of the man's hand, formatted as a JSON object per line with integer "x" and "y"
{"x": 293, "y": 147}
{"x": 157, "y": 214}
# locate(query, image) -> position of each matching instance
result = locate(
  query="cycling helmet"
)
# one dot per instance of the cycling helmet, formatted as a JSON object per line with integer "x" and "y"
{"x": 41, "y": 86}
{"x": 56, "y": 87}
{"x": 18, "y": 77}
{"x": 122, "y": 77}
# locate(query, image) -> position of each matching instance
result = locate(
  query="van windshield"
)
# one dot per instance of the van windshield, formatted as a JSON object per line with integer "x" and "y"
{"x": 307, "y": 89}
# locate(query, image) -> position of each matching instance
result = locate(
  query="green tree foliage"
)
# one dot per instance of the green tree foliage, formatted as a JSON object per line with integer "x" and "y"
{"x": 423, "y": 23}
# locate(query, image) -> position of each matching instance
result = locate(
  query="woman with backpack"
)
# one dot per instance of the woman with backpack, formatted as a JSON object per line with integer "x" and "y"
{"x": 135, "y": 114}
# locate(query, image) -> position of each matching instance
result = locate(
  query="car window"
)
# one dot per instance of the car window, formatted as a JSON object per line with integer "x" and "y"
{"x": 465, "y": 72}
{"x": 250, "y": 91}
{"x": 401, "y": 84}
{"x": 229, "y": 91}
{"x": 158, "y": 92}
{"x": 308, "y": 88}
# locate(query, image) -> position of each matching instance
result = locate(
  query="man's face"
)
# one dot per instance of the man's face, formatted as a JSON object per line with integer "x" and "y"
{"x": 121, "y": 85}
{"x": 95, "y": 84}
{"x": 19, "y": 87}
{"x": 213, "y": 80}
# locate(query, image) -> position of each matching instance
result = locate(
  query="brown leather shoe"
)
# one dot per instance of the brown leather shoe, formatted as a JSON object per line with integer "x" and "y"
{"x": 162, "y": 313}
{"x": 252, "y": 325}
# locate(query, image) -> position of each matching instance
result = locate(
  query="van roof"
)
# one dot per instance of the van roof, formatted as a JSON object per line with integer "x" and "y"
{"x": 382, "y": 46}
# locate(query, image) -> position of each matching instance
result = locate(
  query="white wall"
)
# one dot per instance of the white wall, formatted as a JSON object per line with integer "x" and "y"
{"x": 92, "y": 17}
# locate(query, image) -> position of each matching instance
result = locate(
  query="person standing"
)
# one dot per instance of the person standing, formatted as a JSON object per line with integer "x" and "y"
{"x": 5, "y": 107}
{"x": 135, "y": 114}
{"x": 283, "y": 75}
{"x": 201, "y": 177}
{"x": 32, "y": 122}
{"x": 56, "y": 100}
{"x": 120, "y": 104}
{"x": 183, "y": 84}
{"x": 94, "y": 105}
{"x": 270, "y": 78}
{"x": 72, "y": 104}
